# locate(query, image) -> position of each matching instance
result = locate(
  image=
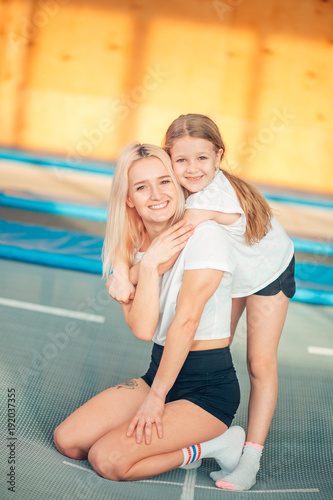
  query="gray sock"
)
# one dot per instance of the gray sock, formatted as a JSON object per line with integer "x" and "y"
{"x": 244, "y": 475}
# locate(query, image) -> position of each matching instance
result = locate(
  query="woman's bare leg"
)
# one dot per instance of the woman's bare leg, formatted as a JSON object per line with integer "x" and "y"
{"x": 98, "y": 416}
{"x": 118, "y": 457}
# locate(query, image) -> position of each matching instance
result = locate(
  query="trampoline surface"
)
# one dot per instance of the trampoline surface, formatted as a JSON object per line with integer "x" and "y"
{"x": 63, "y": 340}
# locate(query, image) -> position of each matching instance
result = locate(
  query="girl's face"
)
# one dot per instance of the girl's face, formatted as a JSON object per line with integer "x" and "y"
{"x": 195, "y": 162}
{"x": 152, "y": 192}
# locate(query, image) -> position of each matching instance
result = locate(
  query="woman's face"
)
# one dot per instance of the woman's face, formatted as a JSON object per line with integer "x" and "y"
{"x": 151, "y": 191}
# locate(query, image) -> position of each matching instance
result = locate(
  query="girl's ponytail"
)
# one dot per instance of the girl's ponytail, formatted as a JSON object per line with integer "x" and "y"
{"x": 257, "y": 211}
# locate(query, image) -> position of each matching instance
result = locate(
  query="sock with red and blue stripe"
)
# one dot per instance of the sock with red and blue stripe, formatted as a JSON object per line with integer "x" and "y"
{"x": 226, "y": 449}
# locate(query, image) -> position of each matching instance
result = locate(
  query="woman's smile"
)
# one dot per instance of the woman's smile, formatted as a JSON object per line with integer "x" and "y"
{"x": 160, "y": 206}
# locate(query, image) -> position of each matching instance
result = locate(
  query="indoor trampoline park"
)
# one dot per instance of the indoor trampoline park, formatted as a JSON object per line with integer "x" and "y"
{"x": 79, "y": 81}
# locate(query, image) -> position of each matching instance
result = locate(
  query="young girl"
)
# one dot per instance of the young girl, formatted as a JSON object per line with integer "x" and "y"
{"x": 264, "y": 278}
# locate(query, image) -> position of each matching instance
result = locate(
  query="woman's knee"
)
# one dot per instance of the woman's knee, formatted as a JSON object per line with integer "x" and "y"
{"x": 64, "y": 443}
{"x": 108, "y": 463}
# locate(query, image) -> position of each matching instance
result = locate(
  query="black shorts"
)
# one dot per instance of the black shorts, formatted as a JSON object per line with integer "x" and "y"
{"x": 285, "y": 283}
{"x": 207, "y": 379}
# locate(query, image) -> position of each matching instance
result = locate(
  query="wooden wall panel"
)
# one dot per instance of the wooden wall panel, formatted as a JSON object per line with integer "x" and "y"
{"x": 89, "y": 76}
{"x": 15, "y": 37}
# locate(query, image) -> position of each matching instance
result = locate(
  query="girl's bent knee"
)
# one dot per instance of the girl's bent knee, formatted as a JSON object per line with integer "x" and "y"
{"x": 262, "y": 369}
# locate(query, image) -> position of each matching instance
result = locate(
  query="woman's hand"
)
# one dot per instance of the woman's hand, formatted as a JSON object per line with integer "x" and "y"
{"x": 150, "y": 413}
{"x": 169, "y": 243}
{"x": 120, "y": 288}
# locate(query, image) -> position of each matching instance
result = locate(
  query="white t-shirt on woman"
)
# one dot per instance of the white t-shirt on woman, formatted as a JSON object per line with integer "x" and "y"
{"x": 257, "y": 265}
{"x": 209, "y": 247}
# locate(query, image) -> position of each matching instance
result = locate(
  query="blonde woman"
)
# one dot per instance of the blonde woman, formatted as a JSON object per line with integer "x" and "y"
{"x": 180, "y": 410}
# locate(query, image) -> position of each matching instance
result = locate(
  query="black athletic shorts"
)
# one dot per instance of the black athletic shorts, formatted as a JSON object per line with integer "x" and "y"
{"x": 285, "y": 283}
{"x": 207, "y": 379}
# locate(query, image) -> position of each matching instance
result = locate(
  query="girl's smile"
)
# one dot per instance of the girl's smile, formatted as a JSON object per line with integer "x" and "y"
{"x": 195, "y": 162}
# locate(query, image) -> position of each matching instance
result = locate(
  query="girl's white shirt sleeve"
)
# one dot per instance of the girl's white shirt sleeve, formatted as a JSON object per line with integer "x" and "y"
{"x": 219, "y": 196}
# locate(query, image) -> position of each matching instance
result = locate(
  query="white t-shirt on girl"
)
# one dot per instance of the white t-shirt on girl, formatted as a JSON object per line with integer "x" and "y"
{"x": 219, "y": 196}
{"x": 209, "y": 247}
{"x": 257, "y": 265}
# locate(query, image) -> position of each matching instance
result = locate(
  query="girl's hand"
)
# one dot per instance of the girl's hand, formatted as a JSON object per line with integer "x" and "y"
{"x": 120, "y": 288}
{"x": 150, "y": 413}
{"x": 169, "y": 243}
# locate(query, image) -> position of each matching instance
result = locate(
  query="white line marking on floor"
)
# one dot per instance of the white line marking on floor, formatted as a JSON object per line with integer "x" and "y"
{"x": 52, "y": 310}
{"x": 324, "y": 351}
{"x": 189, "y": 484}
{"x": 78, "y": 467}
{"x": 303, "y": 490}
{"x": 172, "y": 483}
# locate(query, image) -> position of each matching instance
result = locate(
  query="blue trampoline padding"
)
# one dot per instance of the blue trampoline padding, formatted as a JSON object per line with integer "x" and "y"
{"x": 51, "y": 247}
{"x": 108, "y": 168}
{"x": 314, "y": 275}
{"x": 82, "y": 252}
{"x": 96, "y": 167}
{"x": 314, "y": 283}
{"x": 28, "y": 201}
{"x": 313, "y": 246}
{"x": 314, "y": 297}
{"x": 298, "y": 200}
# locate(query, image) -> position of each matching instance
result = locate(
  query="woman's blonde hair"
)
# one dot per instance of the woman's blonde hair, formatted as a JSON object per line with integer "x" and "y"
{"x": 124, "y": 227}
{"x": 257, "y": 211}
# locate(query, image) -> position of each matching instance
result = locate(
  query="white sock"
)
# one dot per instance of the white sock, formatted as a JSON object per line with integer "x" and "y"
{"x": 226, "y": 449}
{"x": 244, "y": 476}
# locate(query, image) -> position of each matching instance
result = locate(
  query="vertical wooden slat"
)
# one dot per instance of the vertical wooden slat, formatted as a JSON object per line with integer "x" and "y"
{"x": 16, "y": 37}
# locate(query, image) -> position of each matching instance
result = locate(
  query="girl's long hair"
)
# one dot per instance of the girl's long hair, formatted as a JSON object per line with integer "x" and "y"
{"x": 124, "y": 227}
{"x": 257, "y": 211}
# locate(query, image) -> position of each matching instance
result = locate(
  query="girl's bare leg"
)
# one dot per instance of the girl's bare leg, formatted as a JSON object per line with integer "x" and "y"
{"x": 98, "y": 416}
{"x": 265, "y": 321}
{"x": 238, "y": 306}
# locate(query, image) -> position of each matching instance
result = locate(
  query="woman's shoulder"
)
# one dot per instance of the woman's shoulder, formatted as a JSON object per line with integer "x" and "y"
{"x": 210, "y": 232}
{"x": 209, "y": 247}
